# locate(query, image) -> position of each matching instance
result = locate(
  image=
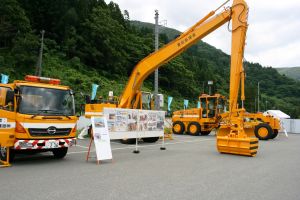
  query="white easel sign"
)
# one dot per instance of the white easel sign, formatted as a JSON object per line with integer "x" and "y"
{"x": 101, "y": 138}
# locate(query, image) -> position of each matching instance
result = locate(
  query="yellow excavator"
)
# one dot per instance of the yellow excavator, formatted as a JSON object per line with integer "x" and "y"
{"x": 231, "y": 137}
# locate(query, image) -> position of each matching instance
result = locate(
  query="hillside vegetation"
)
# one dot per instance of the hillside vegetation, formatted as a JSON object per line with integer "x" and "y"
{"x": 292, "y": 72}
{"x": 89, "y": 41}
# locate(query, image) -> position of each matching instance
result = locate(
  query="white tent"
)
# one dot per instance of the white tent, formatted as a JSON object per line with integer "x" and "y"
{"x": 277, "y": 113}
{"x": 280, "y": 115}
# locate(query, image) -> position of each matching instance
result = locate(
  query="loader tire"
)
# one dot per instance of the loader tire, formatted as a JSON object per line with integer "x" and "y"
{"x": 3, "y": 155}
{"x": 178, "y": 127}
{"x": 275, "y": 134}
{"x": 263, "y": 131}
{"x": 205, "y": 133}
{"x": 60, "y": 153}
{"x": 194, "y": 128}
{"x": 150, "y": 139}
{"x": 128, "y": 141}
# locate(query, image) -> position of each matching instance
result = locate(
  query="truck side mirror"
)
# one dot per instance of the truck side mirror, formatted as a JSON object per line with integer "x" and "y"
{"x": 9, "y": 96}
{"x": 71, "y": 92}
{"x": 87, "y": 99}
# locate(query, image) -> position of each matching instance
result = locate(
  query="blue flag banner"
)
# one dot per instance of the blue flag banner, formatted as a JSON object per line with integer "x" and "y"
{"x": 4, "y": 79}
{"x": 198, "y": 104}
{"x": 169, "y": 103}
{"x": 185, "y": 103}
{"x": 94, "y": 91}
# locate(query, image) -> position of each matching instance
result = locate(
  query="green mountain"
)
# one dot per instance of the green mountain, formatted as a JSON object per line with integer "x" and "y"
{"x": 292, "y": 72}
{"x": 90, "y": 41}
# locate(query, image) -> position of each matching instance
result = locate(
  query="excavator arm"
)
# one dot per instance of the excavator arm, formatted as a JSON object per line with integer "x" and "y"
{"x": 148, "y": 65}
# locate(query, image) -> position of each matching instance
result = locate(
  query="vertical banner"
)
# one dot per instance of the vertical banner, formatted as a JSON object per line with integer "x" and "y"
{"x": 198, "y": 104}
{"x": 185, "y": 103}
{"x": 101, "y": 138}
{"x": 4, "y": 78}
{"x": 169, "y": 103}
{"x": 94, "y": 91}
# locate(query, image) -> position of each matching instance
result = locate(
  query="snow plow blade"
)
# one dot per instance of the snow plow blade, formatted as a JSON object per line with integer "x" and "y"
{"x": 247, "y": 146}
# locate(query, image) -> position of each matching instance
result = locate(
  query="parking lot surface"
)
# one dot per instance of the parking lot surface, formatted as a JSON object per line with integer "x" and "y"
{"x": 190, "y": 168}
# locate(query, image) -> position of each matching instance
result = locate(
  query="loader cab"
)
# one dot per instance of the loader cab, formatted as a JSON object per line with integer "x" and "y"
{"x": 212, "y": 105}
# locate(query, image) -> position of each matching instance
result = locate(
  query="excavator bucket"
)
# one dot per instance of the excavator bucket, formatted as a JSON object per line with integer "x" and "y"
{"x": 232, "y": 143}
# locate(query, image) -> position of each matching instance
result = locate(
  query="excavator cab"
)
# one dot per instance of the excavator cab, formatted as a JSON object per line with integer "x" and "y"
{"x": 147, "y": 101}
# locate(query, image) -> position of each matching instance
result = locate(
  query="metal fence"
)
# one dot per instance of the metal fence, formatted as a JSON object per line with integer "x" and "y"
{"x": 292, "y": 125}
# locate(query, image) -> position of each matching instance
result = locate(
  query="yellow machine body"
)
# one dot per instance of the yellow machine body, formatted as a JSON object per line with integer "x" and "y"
{"x": 201, "y": 120}
{"x": 237, "y": 13}
{"x": 27, "y": 119}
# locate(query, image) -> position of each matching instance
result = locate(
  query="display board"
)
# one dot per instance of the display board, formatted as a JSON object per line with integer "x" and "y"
{"x": 134, "y": 123}
{"x": 101, "y": 138}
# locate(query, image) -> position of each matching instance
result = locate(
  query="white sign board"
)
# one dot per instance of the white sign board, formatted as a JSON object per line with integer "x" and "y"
{"x": 101, "y": 138}
{"x": 134, "y": 123}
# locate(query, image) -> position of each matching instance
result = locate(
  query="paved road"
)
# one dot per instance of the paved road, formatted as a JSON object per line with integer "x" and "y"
{"x": 190, "y": 168}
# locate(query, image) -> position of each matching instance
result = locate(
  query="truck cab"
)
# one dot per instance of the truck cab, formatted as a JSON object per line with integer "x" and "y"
{"x": 40, "y": 114}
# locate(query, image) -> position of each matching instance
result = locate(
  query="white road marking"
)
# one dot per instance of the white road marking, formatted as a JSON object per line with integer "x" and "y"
{"x": 77, "y": 145}
{"x": 150, "y": 145}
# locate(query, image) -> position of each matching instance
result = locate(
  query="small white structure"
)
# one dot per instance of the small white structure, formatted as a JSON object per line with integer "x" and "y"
{"x": 292, "y": 125}
{"x": 281, "y": 116}
{"x": 278, "y": 114}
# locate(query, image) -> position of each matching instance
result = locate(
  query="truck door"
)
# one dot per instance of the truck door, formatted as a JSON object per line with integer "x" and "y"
{"x": 7, "y": 113}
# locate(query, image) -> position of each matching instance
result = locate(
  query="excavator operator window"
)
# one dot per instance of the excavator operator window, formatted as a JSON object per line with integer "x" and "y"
{"x": 146, "y": 100}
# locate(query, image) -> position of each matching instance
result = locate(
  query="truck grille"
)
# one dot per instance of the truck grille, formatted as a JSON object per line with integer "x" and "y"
{"x": 45, "y": 132}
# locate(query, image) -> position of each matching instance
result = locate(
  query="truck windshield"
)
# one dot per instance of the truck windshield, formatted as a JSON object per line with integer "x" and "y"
{"x": 46, "y": 101}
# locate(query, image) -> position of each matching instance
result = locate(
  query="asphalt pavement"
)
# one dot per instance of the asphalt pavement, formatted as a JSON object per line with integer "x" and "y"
{"x": 190, "y": 168}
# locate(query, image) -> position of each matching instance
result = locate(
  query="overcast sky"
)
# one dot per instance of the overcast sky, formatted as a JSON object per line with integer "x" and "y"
{"x": 273, "y": 37}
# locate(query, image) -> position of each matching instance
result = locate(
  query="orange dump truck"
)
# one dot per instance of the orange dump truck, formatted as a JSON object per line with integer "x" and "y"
{"x": 36, "y": 115}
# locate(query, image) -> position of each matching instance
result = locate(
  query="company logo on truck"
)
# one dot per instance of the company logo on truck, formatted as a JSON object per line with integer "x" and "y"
{"x": 51, "y": 130}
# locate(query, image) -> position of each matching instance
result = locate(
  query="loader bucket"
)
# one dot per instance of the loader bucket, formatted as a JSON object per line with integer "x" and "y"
{"x": 232, "y": 143}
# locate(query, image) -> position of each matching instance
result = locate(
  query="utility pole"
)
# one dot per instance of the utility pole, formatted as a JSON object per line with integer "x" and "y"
{"x": 255, "y": 104}
{"x": 156, "y": 100}
{"x": 258, "y": 96}
{"x": 38, "y": 70}
{"x": 209, "y": 83}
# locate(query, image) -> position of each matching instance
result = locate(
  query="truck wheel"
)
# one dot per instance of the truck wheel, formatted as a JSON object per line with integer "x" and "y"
{"x": 263, "y": 131}
{"x": 205, "y": 132}
{"x": 275, "y": 133}
{"x": 128, "y": 141}
{"x": 150, "y": 139}
{"x": 178, "y": 127}
{"x": 194, "y": 128}
{"x": 3, "y": 154}
{"x": 60, "y": 152}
